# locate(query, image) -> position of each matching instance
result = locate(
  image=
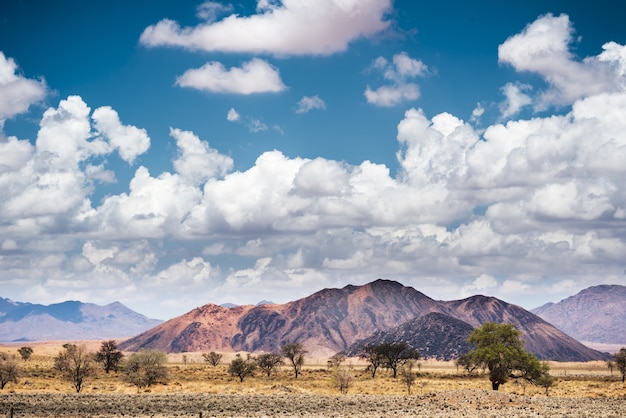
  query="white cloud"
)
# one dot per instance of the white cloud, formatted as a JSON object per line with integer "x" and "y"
{"x": 232, "y": 115}
{"x": 277, "y": 28}
{"x": 210, "y": 10}
{"x": 254, "y": 76}
{"x": 196, "y": 161}
{"x": 130, "y": 141}
{"x": 309, "y": 103}
{"x": 516, "y": 99}
{"x": 543, "y": 48}
{"x": 17, "y": 93}
{"x": 398, "y": 72}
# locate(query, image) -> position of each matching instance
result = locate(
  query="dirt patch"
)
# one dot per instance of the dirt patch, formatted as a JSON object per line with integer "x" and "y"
{"x": 459, "y": 403}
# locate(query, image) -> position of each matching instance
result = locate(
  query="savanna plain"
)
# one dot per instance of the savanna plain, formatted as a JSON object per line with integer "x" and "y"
{"x": 197, "y": 389}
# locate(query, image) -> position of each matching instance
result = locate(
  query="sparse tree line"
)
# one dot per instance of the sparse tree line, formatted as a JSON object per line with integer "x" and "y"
{"x": 498, "y": 352}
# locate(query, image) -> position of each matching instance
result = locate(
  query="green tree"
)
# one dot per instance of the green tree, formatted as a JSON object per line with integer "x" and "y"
{"x": 268, "y": 362}
{"x": 212, "y": 358}
{"x": 76, "y": 364}
{"x": 145, "y": 368}
{"x": 620, "y": 362}
{"x": 242, "y": 368}
{"x": 109, "y": 356}
{"x": 25, "y": 352}
{"x": 499, "y": 348}
{"x": 9, "y": 370}
{"x": 546, "y": 380}
{"x": 295, "y": 353}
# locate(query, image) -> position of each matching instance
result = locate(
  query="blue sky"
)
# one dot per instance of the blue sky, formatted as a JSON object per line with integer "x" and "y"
{"x": 171, "y": 154}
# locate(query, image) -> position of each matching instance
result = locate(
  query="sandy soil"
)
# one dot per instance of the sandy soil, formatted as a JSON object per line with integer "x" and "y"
{"x": 457, "y": 403}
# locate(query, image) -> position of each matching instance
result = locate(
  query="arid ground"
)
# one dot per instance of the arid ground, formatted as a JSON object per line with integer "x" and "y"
{"x": 197, "y": 389}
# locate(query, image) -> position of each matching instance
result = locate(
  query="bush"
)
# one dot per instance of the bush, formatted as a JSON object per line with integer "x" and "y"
{"x": 145, "y": 368}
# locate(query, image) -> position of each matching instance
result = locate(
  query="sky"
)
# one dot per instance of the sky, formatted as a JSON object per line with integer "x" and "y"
{"x": 169, "y": 154}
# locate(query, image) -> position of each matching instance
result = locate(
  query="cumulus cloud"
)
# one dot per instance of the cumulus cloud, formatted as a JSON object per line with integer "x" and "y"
{"x": 398, "y": 72}
{"x": 307, "y": 104}
{"x": 233, "y": 115}
{"x": 515, "y": 100}
{"x": 130, "y": 141}
{"x": 17, "y": 93}
{"x": 276, "y": 28}
{"x": 210, "y": 10}
{"x": 543, "y": 48}
{"x": 254, "y": 76}
{"x": 196, "y": 161}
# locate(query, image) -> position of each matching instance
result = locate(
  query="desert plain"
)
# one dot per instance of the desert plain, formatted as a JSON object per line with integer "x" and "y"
{"x": 197, "y": 389}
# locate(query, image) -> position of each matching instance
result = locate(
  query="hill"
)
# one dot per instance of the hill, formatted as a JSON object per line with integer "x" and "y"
{"x": 331, "y": 320}
{"x": 596, "y": 314}
{"x": 70, "y": 320}
{"x": 434, "y": 335}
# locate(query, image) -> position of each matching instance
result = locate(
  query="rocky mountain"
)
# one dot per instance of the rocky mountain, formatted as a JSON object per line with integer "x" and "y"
{"x": 596, "y": 314}
{"x": 434, "y": 335}
{"x": 331, "y": 320}
{"x": 70, "y": 320}
{"x": 541, "y": 337}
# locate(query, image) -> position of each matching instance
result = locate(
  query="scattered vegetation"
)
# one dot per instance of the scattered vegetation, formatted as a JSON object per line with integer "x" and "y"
{"x": 25, "y": 352}
{"x": 109, "y": 356}
{"x": 268, "y": 362}
{"x": 620, "y": 362}
{"x": 389, "y": 356}
{"x": 9, "y": 370}
{"x": 242, "y": 368}
{"x": 145, "y": 368}
{"x": 212, "y": 358}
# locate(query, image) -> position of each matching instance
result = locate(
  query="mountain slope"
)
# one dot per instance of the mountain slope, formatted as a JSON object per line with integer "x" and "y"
{"x": 540, "y": 337}
{"x": 596, "y": 314}
{"x": 71, "y": 320}
{"x": 325, "y": 322}
{"x": 331, "y": 320}
{"x": 434, "y": 335}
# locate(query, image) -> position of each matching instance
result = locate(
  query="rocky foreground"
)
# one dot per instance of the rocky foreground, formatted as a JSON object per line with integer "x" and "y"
{"x": 458, "y": 403}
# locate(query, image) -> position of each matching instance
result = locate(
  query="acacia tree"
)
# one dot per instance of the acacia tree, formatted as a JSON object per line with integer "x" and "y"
{"x": 75, "y": 364}
{"x": 145, "y": 368}
{"x": 499, "y": 348}
{"x": 9, "y": 370}
{"x": 242, "y": 368}
{"x": 408, "y": 376}
{"x": 295, "y": 353}
{"x": 268, "y": 362}
{"x": 371, "y": 354}
{"x": 212, "y": 358}
{"x": 109, "y": 356}
{"x": 620, "y": 362}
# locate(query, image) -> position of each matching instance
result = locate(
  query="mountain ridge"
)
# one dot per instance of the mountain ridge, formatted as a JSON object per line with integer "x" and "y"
{"x": 330, "y": 320}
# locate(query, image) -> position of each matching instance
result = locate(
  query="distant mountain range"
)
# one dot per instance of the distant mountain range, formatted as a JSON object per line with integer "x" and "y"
{"x": 331, "y": 320}
{"x": 596, "y": 314}
{"x": 70, "y": 320}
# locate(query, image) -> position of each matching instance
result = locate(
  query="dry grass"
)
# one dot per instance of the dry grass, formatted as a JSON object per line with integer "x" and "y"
{"x": 194, "y": 383}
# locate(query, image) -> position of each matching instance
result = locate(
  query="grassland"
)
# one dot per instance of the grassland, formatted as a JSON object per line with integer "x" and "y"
{"x": 195, "y": 388}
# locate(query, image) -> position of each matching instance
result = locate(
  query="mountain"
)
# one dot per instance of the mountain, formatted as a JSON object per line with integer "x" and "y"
{"x": 7, "y": 306}
{"x": 434, "y": 335}
{"x": 596, "y": 314}
{"x": 331, "y": 320}
{"x": 325, "y": 322}
{"x": 541, "y": 337}
{"x": 70, "y": 320}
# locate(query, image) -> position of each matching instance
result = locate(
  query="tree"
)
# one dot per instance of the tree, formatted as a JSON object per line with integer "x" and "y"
{"x": 295, "y": 353}
{"x": 145, "y": 368}
{"x": 546, "y": 380}
{"x": 9, "y": 370}
{"x": 335, "y": 361}
{"x": 109, "y": 356}
{"x": 75, "y": 364}
{"x": 25, "y": 352}
{"x": 395, "y": 354}
{"x": 343, "y": 379}
{"x": 371, "y": 354}
{"x": 499, "y": 348}
{"x": 620, "y": 362}
{"x": 212, "y": 358}
{"x": 268, "y": 362}
{"x": 611, "y": 365}
{"x": 242, "y": 368}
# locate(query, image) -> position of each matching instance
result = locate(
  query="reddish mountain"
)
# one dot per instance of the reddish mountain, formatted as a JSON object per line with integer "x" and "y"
{"x": 596, "y": 314}
{"x": 331, "y": 320}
